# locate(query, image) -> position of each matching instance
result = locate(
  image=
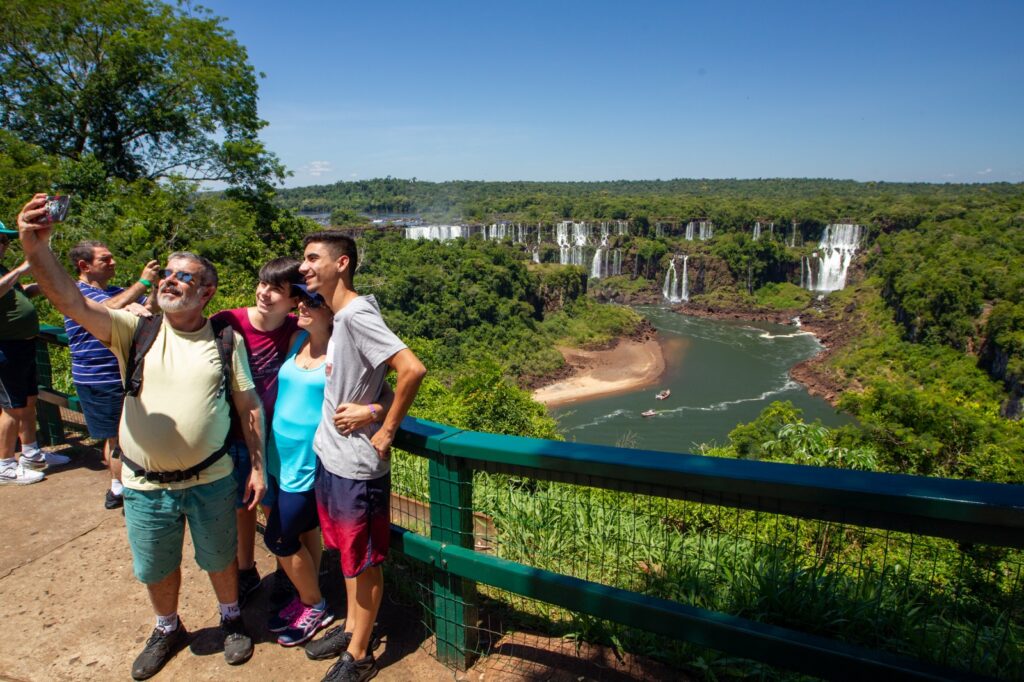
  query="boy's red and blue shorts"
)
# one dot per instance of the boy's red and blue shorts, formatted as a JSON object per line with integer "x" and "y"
{"x": 355, "y": 518}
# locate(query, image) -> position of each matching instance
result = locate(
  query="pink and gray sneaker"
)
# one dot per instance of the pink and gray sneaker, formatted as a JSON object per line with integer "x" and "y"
{"x": 311, "y": 620}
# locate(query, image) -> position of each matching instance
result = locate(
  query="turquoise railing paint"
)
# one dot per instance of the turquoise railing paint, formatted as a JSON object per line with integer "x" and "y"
{"x": 968, "y": 511}
{"x": 963, "y": 511}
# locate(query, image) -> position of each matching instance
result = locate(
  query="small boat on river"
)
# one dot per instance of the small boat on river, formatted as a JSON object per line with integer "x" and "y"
{"x": 648, "y": 413}
{"x": 663, "y": 394}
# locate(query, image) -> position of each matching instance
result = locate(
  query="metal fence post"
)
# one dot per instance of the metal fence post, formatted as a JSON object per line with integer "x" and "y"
{"x": 51, "y": 426}
{"x": 451, "y": 522}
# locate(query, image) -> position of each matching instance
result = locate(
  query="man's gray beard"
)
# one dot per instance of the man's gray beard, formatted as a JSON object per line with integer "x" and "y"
{"x": 188, "y": 300}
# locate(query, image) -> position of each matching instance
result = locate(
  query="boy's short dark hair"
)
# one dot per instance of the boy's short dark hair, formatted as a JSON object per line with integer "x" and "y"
{"x": 83, "y": 250}
{"x": 281, "y": 272}
{"x": 339, "y": 244}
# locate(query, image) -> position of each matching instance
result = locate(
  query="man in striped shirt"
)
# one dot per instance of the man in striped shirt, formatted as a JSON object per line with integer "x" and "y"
{"x": 93, "y": 367}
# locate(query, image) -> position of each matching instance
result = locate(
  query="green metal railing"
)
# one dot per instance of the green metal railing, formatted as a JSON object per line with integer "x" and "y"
{"x": 835, "y": 573}
{"x": 944, "y": 518}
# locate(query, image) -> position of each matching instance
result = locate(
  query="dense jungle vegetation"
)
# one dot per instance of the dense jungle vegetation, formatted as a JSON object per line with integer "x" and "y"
{"x": 932, "y": 320}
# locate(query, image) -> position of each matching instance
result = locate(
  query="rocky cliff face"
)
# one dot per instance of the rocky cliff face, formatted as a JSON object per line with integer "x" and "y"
{"x": 996, "y": 360}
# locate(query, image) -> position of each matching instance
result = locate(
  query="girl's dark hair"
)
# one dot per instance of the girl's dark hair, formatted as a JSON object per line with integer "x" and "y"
{"x": 281, "y": 272}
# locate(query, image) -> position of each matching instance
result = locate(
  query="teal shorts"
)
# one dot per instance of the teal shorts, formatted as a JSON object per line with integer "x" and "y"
{"x": 156, "y": 527}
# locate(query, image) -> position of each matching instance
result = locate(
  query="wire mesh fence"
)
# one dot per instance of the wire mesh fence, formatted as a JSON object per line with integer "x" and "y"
{"x": 953, "y": 604}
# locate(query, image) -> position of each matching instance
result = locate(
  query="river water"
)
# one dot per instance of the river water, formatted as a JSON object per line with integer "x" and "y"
{"x": 721, "y": 373}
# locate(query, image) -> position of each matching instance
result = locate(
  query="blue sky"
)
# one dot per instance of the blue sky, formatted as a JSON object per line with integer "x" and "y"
{"x": 896, "y": 91}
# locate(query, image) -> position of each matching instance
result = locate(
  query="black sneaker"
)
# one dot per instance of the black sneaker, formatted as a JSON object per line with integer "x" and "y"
{"x": 282, "y": 593}
{"x": 248, "y": 582}
{"x": 336, "y": 641}
{"x": 347, "y": 669}
{"x": 160, "y": 648}
{"x": 237, "y": 642}
{"x": 113, "y": 501}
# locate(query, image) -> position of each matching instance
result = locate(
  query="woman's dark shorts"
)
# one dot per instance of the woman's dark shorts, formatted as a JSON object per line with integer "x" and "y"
{"x": 101, "y": 405}
{"x": 292, "y": 515}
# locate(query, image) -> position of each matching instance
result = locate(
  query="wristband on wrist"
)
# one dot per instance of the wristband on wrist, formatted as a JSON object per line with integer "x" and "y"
{"x": 373, "y": 412}
{"x": 145, "y": 282}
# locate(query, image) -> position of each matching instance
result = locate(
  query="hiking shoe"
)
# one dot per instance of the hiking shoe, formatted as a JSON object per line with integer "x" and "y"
{"x": 284, "y": 618}
{"x": 248, "y": 582}
{"x": 237, "y": 642}
{"x": 113, "y": 501}
{"x": 336, "y": 641}
{"x": 283, "y": 592}
{"x": 348, "y": 669}
{"x": 310, "y": 621}
{"x": 16, "y": 474}
{"x": 43, "y": 459}
{"x": 160, "y": 648}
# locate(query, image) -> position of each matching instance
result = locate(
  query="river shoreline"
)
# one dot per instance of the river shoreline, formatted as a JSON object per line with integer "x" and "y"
{"x": 633, "y": 362}
{"x": 812, "y": 373}
{"x": 626, "y": 364}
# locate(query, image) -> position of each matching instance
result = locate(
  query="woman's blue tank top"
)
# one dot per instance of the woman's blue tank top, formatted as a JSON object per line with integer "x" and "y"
{"x": 300, "y": 396}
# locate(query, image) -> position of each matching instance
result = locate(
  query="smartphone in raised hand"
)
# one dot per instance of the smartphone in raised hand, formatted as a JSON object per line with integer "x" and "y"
{"x": 57, "y": 208}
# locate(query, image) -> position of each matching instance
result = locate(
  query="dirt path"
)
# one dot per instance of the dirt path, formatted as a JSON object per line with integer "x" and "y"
{"x": 71, "y": 609}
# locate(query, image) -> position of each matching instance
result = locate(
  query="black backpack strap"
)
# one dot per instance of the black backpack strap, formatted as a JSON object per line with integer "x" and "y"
{"x": 142, "y": 341}
{"x": 224, "y": 336}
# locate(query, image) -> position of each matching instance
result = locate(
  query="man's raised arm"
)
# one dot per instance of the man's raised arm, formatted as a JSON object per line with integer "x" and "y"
{"x": 54, "y": 282}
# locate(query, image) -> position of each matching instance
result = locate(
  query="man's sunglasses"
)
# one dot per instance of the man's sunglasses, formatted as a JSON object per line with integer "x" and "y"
{"x": 180, "y": 275}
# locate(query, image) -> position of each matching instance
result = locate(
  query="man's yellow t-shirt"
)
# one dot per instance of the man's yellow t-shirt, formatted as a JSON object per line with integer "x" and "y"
{"x": 177, "y": 420}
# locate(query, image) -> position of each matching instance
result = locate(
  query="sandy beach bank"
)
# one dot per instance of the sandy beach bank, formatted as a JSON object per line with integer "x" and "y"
{"x": 627, "y": 366}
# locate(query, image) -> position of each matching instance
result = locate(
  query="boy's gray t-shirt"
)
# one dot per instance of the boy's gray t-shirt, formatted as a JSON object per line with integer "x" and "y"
{"x": 360, "y": 346}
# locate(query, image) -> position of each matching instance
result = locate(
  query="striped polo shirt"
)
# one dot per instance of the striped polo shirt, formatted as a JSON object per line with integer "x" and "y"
{"x": 91, "y": 362}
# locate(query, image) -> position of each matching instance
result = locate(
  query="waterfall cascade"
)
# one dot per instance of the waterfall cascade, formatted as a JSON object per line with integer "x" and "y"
{"x": 622, "y": 228}
{"x": 676, "y": 289}
{"x": 701, "y": 229}
{"x": 436, "y": 232}
{"x": 836, "y": 250}
{"x": 807, "y": 272}
{"x": 600, "y": 256}
{"x": 607, "y": 262}
{"x": 758, "y": 227}
{"x": 572, "y": 251}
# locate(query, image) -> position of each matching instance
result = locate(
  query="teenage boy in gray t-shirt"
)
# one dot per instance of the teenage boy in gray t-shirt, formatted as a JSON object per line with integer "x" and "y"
{"x": 353, "y": 487}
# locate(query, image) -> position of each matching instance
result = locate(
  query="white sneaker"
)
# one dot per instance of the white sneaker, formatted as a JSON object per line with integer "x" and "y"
{"x": 19, "y": 475}
{"x": 43, "y": 459}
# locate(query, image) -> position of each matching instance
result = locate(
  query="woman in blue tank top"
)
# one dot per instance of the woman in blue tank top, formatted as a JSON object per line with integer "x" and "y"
{"x": 293, "y": 526}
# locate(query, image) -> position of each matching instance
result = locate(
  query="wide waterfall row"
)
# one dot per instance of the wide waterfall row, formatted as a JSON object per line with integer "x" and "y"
{"x": 437, "y": 232}
{"x": 676, "y": 289}
{"x": 702, "y": 229}
{"x": 838, "y": 246}
{"x": 517, "y": 232}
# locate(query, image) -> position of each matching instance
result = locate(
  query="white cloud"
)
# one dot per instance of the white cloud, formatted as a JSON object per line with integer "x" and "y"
{"x": 317, "y": 168}
{"x": 985, "y": 172}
